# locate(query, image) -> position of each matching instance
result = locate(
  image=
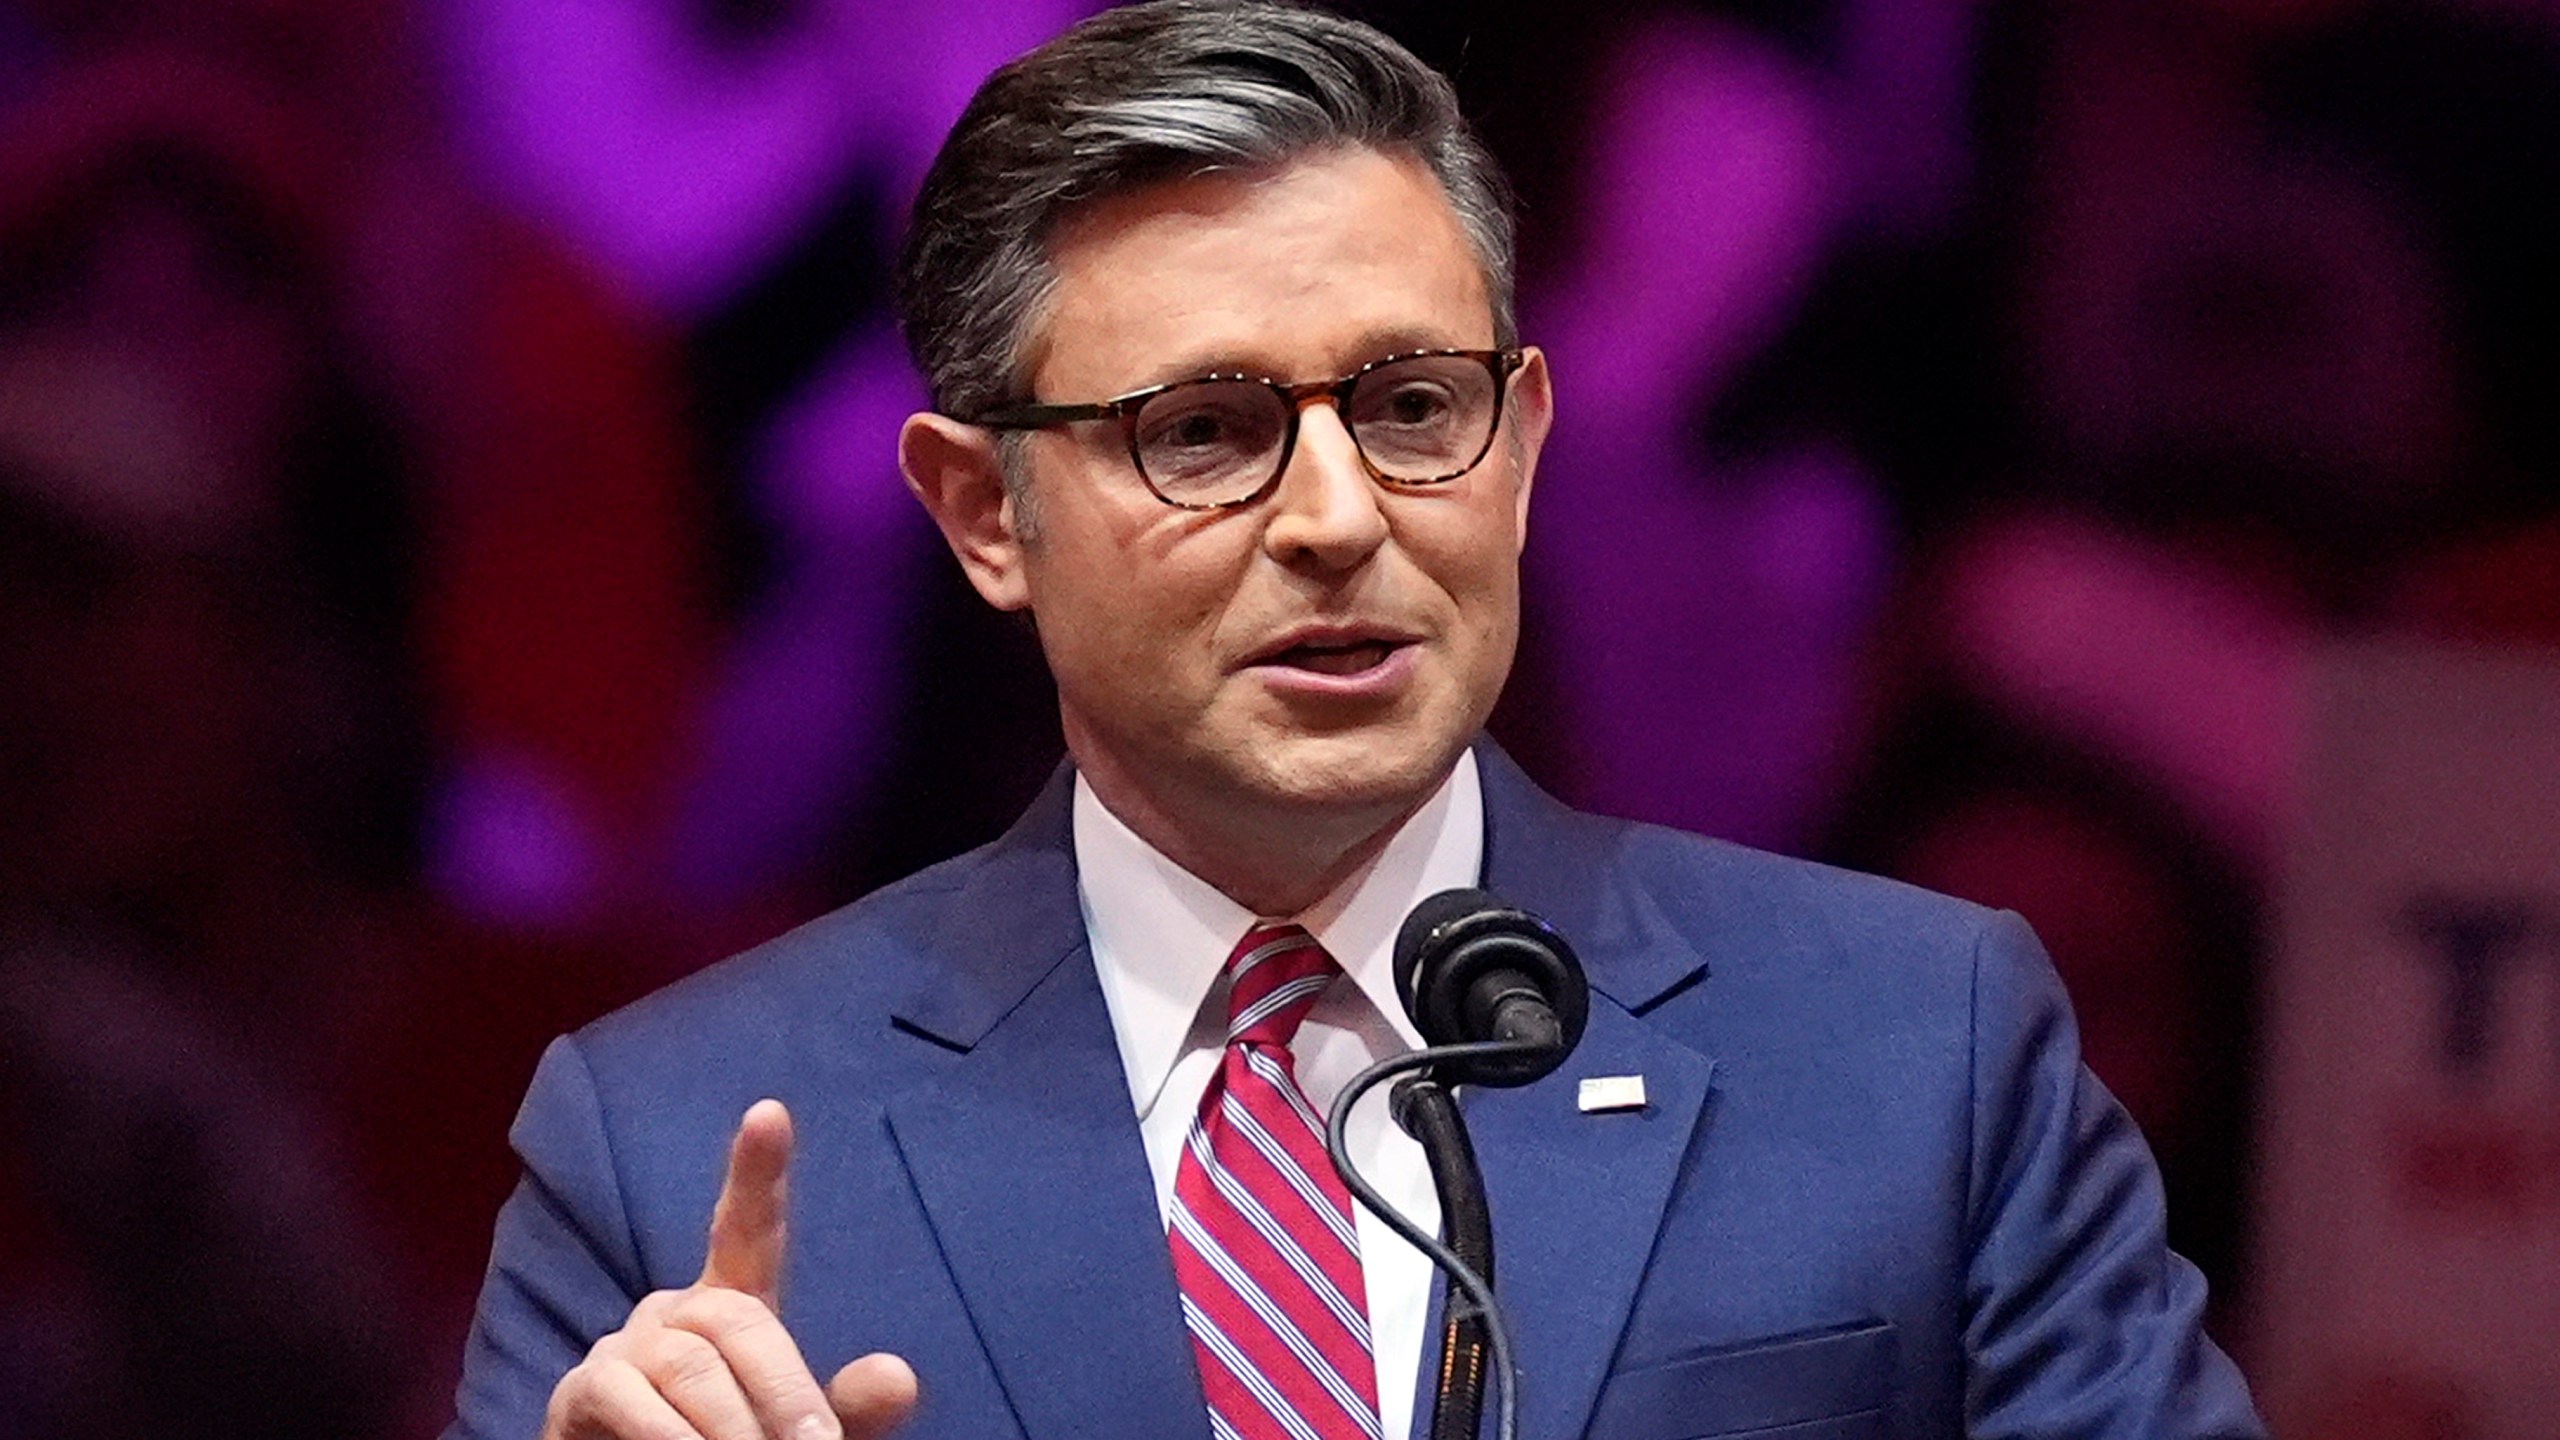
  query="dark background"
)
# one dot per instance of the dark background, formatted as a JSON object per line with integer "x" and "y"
{"x": 453, "y": 577}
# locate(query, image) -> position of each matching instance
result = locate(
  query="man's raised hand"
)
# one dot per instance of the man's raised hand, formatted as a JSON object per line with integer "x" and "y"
{"x": 712, "y": 1361}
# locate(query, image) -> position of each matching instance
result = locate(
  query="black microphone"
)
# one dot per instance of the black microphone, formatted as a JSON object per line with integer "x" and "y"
{"x": 1500, "y": 1000}
{"x": 1471, "y": 969}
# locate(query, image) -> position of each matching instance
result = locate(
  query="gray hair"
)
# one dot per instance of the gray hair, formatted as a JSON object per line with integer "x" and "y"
{"x": 1145, "y": 94}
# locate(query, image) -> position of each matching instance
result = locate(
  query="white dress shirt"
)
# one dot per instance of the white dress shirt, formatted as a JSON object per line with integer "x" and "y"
{"x": 1161, "y": 937}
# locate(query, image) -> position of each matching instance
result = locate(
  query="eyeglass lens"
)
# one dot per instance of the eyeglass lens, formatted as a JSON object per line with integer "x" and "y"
{"x": 1211, "y": 442}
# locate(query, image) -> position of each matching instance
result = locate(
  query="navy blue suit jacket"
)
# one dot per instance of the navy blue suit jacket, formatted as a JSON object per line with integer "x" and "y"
{"x": 1873, "y": 1192}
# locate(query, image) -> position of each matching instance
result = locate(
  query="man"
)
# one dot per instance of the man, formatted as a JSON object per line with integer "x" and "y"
{"x": 1215, "y": 304}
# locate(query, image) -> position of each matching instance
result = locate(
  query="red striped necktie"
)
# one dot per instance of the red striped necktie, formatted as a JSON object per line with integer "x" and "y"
{"x": 1261, "y": 1226}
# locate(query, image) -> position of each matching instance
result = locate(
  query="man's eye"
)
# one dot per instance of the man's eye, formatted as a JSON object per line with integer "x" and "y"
{"x": 1418, "y": 404}
{"x": 1413, "y": 405}
{"x": 1195, "y": 430}
{"x": 1209, "y": 417}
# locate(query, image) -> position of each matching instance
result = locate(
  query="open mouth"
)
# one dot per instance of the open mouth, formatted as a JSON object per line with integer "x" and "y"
{"x": 1346, "y": 659}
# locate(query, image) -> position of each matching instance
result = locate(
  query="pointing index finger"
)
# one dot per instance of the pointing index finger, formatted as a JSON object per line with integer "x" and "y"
{"x": 748, "y": 1225}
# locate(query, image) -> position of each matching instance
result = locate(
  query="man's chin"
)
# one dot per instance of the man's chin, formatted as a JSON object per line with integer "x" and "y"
{"x": 1333, "y": 782}
{"x": 1354, "y": 773}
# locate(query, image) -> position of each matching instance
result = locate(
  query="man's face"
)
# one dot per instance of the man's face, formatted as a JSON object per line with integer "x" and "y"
{"x": 1327, "y": 652}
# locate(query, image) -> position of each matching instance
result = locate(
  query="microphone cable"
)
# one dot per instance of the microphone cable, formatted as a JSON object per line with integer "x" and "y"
{"x": 1478, "y": 1292}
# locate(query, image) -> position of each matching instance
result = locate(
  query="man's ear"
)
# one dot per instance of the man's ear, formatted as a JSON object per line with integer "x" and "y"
{"x": 954, "y": 470}
{"x": 1533, "y": 413}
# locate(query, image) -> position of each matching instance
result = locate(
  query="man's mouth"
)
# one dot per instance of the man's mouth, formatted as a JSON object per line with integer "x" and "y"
{"x": 1345, "y": 659}
{"x": 1339, "y": 651}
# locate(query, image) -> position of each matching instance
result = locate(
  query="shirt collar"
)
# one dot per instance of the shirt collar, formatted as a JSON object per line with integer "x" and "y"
{"x": 1160, "y": 935}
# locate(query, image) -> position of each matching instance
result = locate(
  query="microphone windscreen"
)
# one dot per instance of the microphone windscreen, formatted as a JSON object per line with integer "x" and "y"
{"x": 1435, "y": 914}
{"x": 1460, "y": 946}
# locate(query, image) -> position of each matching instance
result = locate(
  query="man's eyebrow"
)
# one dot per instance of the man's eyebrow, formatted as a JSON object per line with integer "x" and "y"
{"x": 1404, "y": 340}
{"x": 1372, "y": 346}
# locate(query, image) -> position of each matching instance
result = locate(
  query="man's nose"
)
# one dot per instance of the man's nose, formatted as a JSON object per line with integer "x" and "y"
{"x": 1327, "y": 508}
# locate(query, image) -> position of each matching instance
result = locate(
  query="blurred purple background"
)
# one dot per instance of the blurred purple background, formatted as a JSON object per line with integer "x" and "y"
{"x": 453, "y": 575}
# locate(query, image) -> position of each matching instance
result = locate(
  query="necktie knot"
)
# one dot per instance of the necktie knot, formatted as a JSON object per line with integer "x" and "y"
{"x": 1273, "y": 979}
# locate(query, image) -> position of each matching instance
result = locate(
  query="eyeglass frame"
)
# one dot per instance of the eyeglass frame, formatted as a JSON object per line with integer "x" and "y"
{"x": 1500, "y": 362}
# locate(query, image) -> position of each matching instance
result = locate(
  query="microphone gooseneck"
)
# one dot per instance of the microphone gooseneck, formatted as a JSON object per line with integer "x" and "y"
{"x": 1471, "y": 1299}
{"x": 1428, "y": 1111}
{"x": 1500, "y": 1001}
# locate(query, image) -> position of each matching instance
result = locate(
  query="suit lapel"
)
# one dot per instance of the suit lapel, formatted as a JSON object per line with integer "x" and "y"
{"x": 1577, "y": 1198}
{"x": 1027, "y": 1159}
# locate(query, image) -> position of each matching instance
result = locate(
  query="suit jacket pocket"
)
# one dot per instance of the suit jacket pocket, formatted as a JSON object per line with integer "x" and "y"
{"x": 1830, "y": 1384}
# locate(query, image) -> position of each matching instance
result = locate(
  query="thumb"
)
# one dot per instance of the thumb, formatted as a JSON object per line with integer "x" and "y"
{"x": 748, "y": 1225}
{"x": 873, "y": 1396}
